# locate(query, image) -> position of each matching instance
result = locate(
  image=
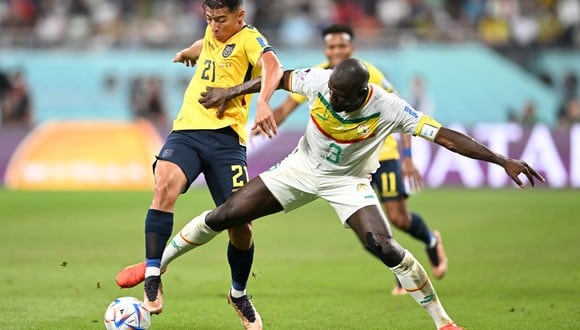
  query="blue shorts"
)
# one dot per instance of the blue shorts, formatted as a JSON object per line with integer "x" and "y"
{"x": 388, "y": 180}
{"x": 215, "y": 153}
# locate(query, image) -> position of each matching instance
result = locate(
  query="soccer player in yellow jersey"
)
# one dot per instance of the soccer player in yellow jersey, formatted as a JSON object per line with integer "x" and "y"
{"x": 203, "y": 141}
{"x": 388, "y": 179}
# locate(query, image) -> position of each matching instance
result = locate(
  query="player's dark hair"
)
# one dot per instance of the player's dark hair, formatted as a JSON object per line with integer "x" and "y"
{"x": 216, "y": 4}
{"x": 338, "y": 28}
{"x": 351, "y": 72}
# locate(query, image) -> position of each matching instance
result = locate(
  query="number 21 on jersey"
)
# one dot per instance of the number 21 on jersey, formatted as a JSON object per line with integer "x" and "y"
{"x": 208, "y": 72}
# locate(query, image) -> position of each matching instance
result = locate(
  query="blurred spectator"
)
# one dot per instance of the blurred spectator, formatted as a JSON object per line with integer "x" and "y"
{"x": 569, "y": 110}
{"x": 147, "y": 102}
{"x": 419, "y": 98}
{"x": 494, "y": 30}
{"x": 361, "y": 15}
{"x": 546, "y": 78}
{"x": 297, "y": 28}
{"x": 347, "y": 12}
{"x": 550, "y": 28}
{"x": 524, "y": 25}
{"x": 570, "y": 114}
{"x": 268, "y": 15}
{"x": 529, "y": 116}
{"x": 157, "y": 23}
{"x": 569, "y": 15}
{"x": 512, "y": 115}
{"x": 110, "y": 83}
{"x": 16, "y": 103}
{"x": 393, "y": 12}
{"x": 570, "y": 87}
{"x": 5, "y": 84}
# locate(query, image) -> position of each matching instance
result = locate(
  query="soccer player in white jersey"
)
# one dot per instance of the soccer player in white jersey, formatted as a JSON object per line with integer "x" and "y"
{"x": 338, "y": 44}
{"x": 349, "y": 120}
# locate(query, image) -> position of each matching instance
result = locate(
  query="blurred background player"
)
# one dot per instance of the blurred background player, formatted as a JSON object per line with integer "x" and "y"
{"x": 230, "y": 53}
{"x": 388, "y": 179}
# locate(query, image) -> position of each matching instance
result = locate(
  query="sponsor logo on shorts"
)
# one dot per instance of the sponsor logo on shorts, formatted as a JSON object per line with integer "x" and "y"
{"x": 167, "y": 153}
{"x": 362, "y": 187}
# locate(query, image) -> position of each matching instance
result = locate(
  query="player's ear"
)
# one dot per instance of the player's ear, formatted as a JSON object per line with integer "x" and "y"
{"x": 241, "y": 15}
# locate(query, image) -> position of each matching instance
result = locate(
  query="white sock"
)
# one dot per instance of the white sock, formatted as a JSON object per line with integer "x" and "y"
{"x": 152, "y": 271}
{"x": 192, "y": 235}
{"x": 237, "y": 293}
{"x": 416, "y": 282}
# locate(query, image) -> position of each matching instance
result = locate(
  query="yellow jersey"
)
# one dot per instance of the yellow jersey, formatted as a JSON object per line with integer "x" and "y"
{"x": 223, "y": 65}
{"x": 390, "y": 149}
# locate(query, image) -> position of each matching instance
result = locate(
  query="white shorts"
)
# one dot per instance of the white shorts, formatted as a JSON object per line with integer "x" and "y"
{"x": 294, "y": 186}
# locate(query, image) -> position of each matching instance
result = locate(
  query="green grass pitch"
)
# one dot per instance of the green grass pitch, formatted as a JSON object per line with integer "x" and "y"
{"x": 514, "y": 263}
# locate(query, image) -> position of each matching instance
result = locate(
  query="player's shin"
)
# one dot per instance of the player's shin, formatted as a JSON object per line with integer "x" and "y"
{"x": 192, "y": 235}
{"x": 416, "y": 282}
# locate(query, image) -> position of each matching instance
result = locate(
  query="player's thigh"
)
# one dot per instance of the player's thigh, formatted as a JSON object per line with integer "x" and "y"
{"x": 225, "y": 173}
{"x": 388, "y": 181}
{"x": 225, "y": 167}
{"x": 180, "y": 149}
{"x": 347, "y": 195}
{"x": 290, "y": 184}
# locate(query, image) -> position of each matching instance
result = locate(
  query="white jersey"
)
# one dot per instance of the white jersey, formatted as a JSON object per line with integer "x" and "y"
{"x": 341, "y": 143}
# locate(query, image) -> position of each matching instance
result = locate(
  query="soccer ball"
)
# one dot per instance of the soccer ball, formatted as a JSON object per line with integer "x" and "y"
{"x": 127, "y": 313}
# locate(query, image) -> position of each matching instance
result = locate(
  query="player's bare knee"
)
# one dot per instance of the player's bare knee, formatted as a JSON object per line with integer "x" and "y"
{"x": 385, "y": 248}
{"x": 164, "y": 195}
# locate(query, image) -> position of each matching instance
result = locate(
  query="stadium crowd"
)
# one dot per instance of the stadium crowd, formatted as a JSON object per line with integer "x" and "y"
{"x": 515, "y": 28}
{"x": 158, "y": 23}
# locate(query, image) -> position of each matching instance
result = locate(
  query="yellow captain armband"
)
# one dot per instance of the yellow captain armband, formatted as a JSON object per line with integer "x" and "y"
{"x": 427, "y": 128}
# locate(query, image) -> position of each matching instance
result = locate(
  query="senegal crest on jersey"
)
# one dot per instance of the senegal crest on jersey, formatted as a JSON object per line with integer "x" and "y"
{"x": 228, "y": 49}
{"x": 340, "y": 129}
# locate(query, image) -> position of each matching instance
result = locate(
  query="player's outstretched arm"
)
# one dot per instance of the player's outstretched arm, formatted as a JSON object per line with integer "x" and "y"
{"x": 189, "y": 55}
{"x": 271, "y": 74}
{"x": 467, "y": 146}
{"x": 215, "y": 97}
